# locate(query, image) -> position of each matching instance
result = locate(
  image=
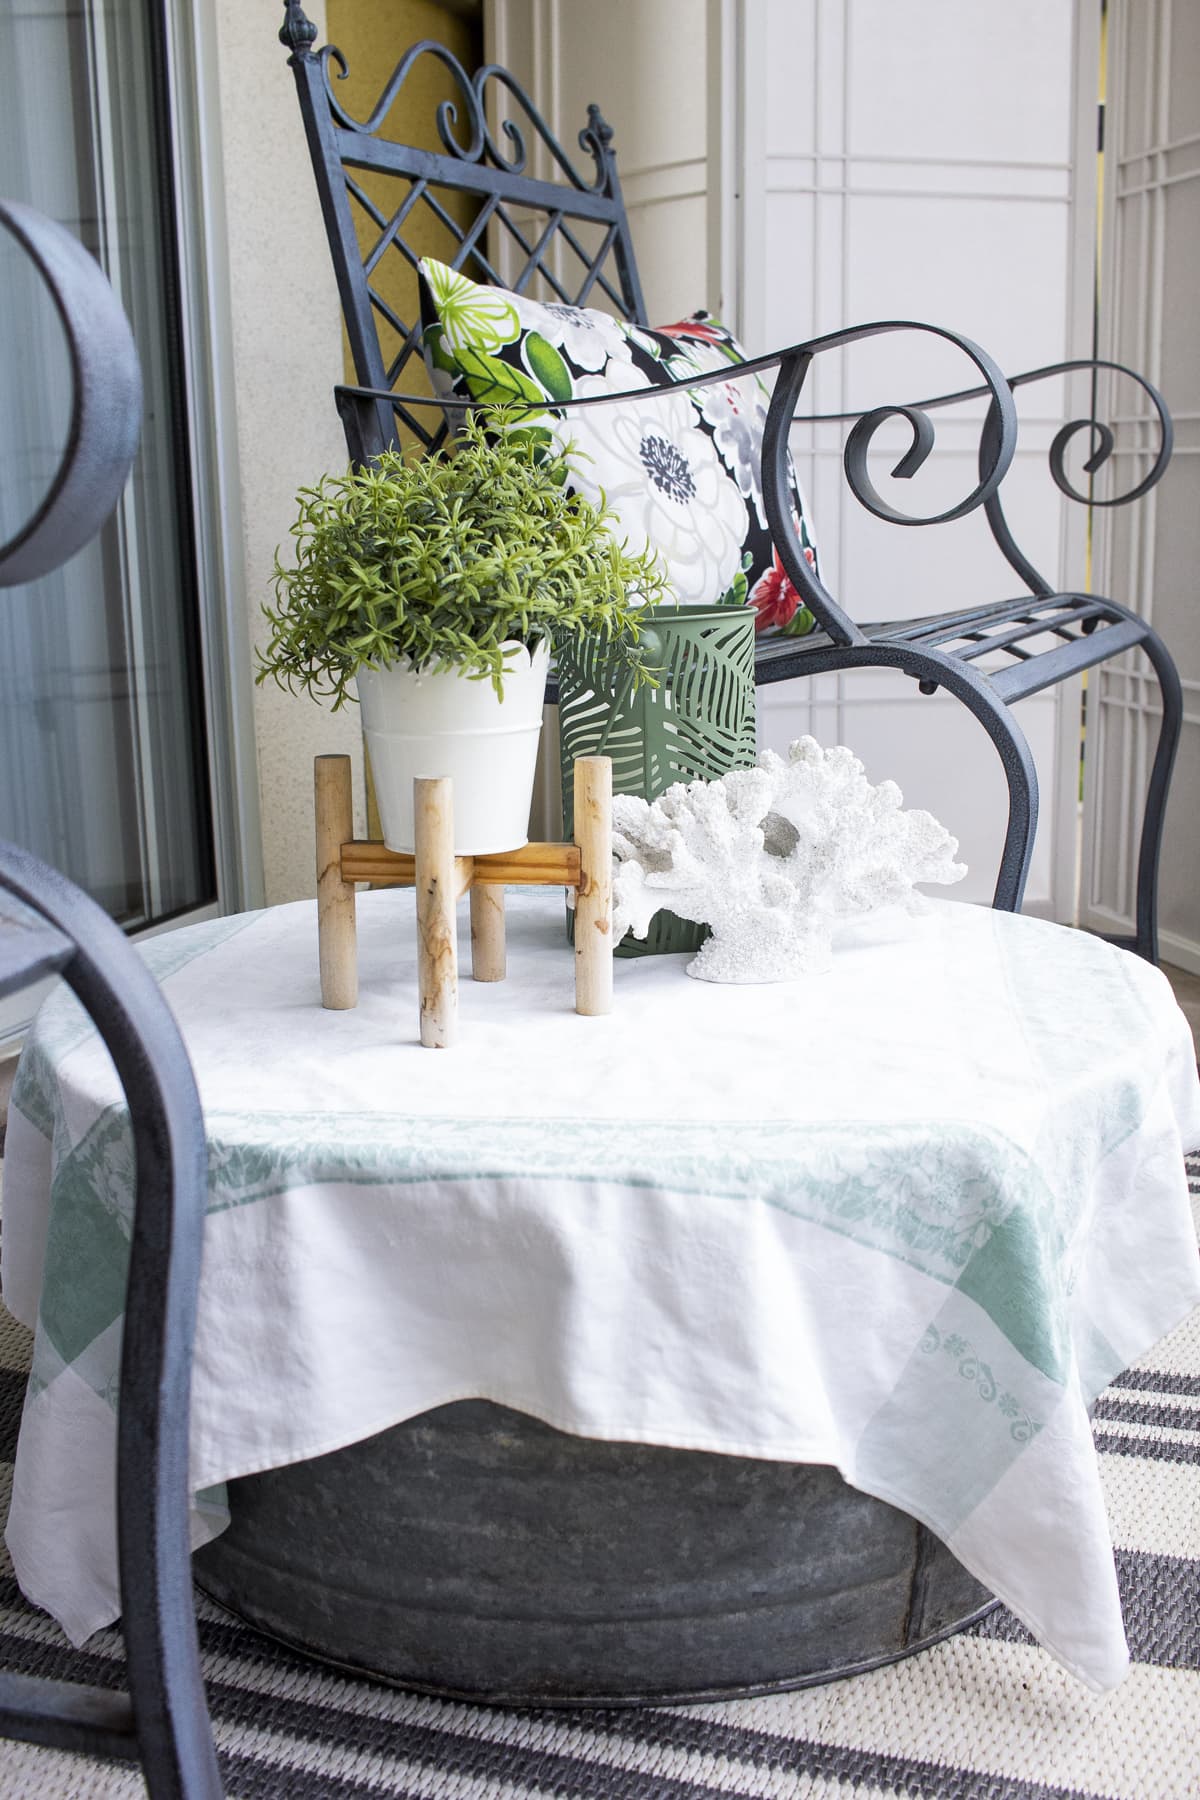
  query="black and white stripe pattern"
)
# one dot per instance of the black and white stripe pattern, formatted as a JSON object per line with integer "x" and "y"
{"x": 984, "y": 1716}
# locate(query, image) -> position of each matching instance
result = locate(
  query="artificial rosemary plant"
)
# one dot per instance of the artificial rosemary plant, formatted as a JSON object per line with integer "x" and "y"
{"x": 437, "y": 560}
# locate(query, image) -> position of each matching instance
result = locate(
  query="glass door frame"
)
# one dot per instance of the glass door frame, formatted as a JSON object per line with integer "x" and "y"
{"x": 192, "y": 128}
{"x": 191, "y": 187}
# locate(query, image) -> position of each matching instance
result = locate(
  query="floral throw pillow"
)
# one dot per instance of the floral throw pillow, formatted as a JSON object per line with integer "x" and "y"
{"x": 681, "y": 473}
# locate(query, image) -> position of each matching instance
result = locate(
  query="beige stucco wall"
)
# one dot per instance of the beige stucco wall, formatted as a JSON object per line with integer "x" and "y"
{"x": 287, "y": 355}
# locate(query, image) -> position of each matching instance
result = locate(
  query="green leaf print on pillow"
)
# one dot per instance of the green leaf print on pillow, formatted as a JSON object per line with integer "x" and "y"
{"x": 472, "y": 317}
{"x": 496, "y": 383}
{"x": 547, "y": 367}
{"x": 436, "y": 352}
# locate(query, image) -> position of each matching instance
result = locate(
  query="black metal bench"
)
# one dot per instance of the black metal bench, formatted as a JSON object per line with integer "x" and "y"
{"x": 578, "y": 220}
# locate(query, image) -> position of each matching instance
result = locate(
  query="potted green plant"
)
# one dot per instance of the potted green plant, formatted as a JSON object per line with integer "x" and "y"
{"x": 438, "y": 586}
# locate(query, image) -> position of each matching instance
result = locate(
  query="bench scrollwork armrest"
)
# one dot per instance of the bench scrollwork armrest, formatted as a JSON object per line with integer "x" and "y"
{"x": 358, "y": 408}
{"x": 1102, "y": 443}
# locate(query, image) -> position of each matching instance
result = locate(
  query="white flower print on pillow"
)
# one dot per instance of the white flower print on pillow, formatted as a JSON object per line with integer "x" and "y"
{"x": 661, "y": 476}
{"x": 682, "y": 472}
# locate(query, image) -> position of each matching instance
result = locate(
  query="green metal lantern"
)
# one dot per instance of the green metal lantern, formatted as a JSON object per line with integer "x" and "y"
{"x": 697, "y": 724}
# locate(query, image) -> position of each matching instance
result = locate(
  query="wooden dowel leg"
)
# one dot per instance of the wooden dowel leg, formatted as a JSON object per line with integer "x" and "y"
{"x": 593, "y": 900}
{"x": 337, "y": 943}
{"x": 437, "y": 945}
{"x": 487, "y": 932}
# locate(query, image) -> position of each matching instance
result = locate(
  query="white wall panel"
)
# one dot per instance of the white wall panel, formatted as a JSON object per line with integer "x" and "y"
{"x": 645, "y": 66}
{"x": 1149, "y": 553}
{"x": 920, "y": 162}
{"x": 866, "y": 160}
{"x": 993, "y": 268}
{"x": 957, "y": 80}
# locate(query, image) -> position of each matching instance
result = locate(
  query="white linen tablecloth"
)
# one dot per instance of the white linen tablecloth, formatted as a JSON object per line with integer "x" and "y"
{"x": 907, "y": 1218}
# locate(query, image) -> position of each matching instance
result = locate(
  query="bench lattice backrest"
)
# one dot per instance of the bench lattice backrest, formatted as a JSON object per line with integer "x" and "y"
{"x": 502, "y": 200}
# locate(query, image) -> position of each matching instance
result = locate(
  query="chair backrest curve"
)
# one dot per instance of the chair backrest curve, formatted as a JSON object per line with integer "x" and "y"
{"x": 502, "y": 198}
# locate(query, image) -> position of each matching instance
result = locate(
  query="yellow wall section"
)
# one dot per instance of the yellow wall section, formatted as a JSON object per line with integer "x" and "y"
{"x": 373, "y": 35}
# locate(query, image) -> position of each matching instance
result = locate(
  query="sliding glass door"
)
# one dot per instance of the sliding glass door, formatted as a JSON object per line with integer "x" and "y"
{"x": 102, "y": 716}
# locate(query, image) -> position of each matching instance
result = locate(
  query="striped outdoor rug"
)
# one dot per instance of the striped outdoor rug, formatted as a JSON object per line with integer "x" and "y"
{"x": 985, "y": 1716}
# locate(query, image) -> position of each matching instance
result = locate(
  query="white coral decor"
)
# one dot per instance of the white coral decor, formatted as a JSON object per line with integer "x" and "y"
{"x": 773, "y": 859}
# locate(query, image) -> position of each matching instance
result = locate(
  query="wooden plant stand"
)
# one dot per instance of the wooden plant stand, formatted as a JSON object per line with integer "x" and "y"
{"x": 441, "y": 878}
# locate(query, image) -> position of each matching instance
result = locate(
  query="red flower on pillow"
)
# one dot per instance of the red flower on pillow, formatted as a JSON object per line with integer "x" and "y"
{"x": 695, "y": 328}
{"x": 773, "y": 597}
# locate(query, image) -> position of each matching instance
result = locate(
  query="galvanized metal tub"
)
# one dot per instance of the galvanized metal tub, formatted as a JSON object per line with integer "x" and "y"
{"x": 477, "y": 1553}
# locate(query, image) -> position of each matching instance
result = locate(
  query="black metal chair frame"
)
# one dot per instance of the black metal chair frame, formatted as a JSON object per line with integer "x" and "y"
{"x": 486, "y": 156}
{"x": 162, "y": 1720}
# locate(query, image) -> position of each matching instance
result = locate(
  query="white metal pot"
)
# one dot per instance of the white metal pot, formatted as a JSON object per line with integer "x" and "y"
{"x": 447, "y": 724}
